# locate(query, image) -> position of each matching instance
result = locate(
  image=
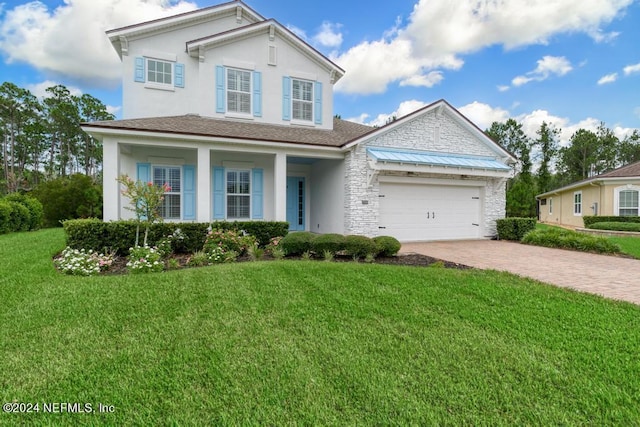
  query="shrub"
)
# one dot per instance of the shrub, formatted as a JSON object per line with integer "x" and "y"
{"x": 616, "y": 226}
{"x": 387, "y": 245}
{"x": 297, "y": 243}
{"x": 198, "y": 259}
{"x": 228, "y": 240}
{"x": 567, "y": 239}
{"x": 19, "y": 218}
{"x": 589, "y": 220}
{"x": 75, "y": 196}
{"x": 331, "y": 242}
{"x": 33, "y": 205}
{"x": 5, "y": 216}
{"x": 327, "y": 255}
{"x": 360, "y": 246}
{"x": 120, "y": 235}
{"x": 255, "y": 252}
{"x": 144, "y": 259}
{"x": 83, "y": 263}
{"x": 514, "y": 228}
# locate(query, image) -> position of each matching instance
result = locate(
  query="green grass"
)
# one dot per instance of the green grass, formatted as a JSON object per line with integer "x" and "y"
{"x": 628, "y": 245}
{"x": 300, "y": 342}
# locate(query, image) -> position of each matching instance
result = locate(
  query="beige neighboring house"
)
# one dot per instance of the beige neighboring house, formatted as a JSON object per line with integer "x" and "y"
{"x": 614, "y": 193}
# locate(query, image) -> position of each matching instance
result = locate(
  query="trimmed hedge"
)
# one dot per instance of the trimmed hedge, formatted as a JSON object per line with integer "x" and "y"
{"x": 387, "y": 245}
{"x": 36, "y": 211}
{"x": 590, "y": 220}
{"x": 119, "y": 236}
{"x": 360, "y": 246}
{"x": 514, "y": 228}
{"x": 331, "y": 242}
{"x": 616, "y": 226}
{"x": 20, "y": 217}
{"x": 567, "y": 239}
{"x": 5, "y": 216}
{"x": 297, "y": 243}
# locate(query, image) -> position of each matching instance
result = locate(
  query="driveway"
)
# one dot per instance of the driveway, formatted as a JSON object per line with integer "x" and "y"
{"x": 609, "y": 276}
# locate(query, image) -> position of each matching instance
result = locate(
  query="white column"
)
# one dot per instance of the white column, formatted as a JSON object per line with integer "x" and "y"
{"x": 280, "y": 187}
{"x": 204, "y": 185}
{"x": 110, "y": 187}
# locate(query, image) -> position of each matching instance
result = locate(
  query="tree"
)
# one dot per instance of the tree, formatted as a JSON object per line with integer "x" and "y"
{"x": 91, "y": 109}
{"x": 521, "y": 189}
{"x": 63, "y": 129}
{"x": 629, "y": 149}
{"x": 547, "y": 143}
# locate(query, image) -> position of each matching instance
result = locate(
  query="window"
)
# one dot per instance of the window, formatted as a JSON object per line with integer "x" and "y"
{"x": 238, "y": 194}
{"x": 577, "y": 203}
{"x": 302, "y": 98}
{"x": 170, "y": 207}
{"x": 628, "y": 203}
{"x": 550, "y": 206}
{"x": 159, "y": 72}
{"x": 238, "y": 91}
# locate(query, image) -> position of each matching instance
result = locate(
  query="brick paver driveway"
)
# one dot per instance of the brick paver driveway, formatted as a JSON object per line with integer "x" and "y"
{"x": 612, "y": 277}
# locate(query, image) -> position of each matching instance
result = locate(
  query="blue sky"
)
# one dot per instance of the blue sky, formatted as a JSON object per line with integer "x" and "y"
{"x": 573, "y": 63}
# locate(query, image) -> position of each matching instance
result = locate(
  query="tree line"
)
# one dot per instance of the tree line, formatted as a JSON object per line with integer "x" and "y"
{"x": 42, "y": 139}
{"x": 543, "y": 165}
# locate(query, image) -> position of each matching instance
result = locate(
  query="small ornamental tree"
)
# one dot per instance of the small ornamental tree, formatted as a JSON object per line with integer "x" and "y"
{"x": 146, "y": 199}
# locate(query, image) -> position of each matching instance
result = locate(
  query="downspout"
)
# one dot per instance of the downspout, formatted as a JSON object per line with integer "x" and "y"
{"x": 599, "y": 207}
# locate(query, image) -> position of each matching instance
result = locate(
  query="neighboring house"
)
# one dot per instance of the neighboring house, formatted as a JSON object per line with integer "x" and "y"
{"x": 613, "y": 193}
{"x": 235, "y": 113}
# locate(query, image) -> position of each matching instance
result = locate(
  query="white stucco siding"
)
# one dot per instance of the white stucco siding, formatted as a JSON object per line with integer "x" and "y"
{"x": 362, "y": 185}
{"x": 327, "y": 196}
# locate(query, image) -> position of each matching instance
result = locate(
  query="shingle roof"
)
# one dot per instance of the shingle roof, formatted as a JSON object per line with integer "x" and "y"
{"x": 631, "y": 170}
{"x": 343, "y": 131}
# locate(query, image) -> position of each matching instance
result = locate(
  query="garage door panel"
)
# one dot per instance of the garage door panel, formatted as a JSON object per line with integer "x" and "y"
{"x": 429, "y": 212}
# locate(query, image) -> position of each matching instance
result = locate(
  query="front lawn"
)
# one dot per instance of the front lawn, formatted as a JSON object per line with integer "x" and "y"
{"x": 628, "y": 245}
{"x": 309, "y": 342}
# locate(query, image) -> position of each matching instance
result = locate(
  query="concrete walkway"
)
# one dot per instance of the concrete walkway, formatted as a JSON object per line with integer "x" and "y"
{"x": 609, "y": 276}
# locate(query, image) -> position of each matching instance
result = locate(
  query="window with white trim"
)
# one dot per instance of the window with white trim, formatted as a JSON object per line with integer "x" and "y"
{"x": 238, "y": 91}
{"x": 170, "y": 175}
{"x": 159, "y": 72}
{"x": 628, "y": 203}
{"x": 238, "y": 194}
{"x": 577, "y": 203}
{"x": 302, "y": 100}
{"x": 550, "y": 206}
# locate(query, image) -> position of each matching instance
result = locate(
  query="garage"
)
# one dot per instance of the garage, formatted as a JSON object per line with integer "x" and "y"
{"x": 418, "y": 212}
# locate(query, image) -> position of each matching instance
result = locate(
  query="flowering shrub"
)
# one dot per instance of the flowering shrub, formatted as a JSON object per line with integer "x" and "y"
{"x": 167, "y": 245}
{"x": 83, "y": 263}
{"x": 228, "y": 240}
{"x": 144, "y": 259}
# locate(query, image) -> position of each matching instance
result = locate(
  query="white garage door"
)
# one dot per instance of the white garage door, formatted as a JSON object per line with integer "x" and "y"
{"x": 415, "y": 212}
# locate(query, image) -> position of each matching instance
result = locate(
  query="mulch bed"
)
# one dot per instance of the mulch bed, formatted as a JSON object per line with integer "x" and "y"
{"x": 119, "y": 265}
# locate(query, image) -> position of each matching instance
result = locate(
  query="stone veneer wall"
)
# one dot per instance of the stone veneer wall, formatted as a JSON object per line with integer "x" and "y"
{"x": 426, "y": 132}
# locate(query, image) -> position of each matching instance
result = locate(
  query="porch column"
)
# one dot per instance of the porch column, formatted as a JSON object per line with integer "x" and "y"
{"x": 280, "y": 187}
{"x": 110, "y": 187}
{"x": 204, "y": 185}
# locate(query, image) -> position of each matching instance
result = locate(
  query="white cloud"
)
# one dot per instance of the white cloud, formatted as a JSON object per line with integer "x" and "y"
{"x": 547, "y": 66}
{"x": 609, "y": 78}
{"x": 329, "y": 35}
{"x": 503, "y": 88}
{"x": 631, "y": 69}
{"x": 40, "y": 89}
{"x": 114, "y": 109}
{"x": 439, "y": 31}
{"x": 482, "y": 115}
{"x": 297, "y": 31}
{"x": 70, "y": 40}
{"x": 427, "y": 80}
{"x": 405, "y": 107}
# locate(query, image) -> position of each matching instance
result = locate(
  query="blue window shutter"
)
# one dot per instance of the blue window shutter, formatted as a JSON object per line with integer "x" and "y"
{"x": 220, "y": 107}
{"x": 317, "y": 106}
{"x": 218, "y": 193}
{"x": 143, "y": 172}
{"x": 257, "y": 94}
{"x": 138, "y": 75}
{"x": 256, "y": 194}
{"x": 188, "y": 192}
{"x": 179, "y": 80}
{"x": 286, "y": 98}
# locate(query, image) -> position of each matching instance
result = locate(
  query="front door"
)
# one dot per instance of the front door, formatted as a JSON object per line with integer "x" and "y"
{"x": 295, "y": 203}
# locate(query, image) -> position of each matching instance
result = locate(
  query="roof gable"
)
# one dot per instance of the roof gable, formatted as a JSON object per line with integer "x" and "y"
{"x": 242, "y": 13}
{"x": 270, "y": 27}
{"x": 439, "y": 108}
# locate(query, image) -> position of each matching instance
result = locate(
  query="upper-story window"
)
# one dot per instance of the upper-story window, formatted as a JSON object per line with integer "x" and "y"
{"x": 238, "y": 91}
{"x": 160, "y": 72}
{"x": 302, "y": 100}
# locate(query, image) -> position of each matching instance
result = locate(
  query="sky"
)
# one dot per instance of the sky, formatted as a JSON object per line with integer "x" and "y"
{"x": 571, "y": 63}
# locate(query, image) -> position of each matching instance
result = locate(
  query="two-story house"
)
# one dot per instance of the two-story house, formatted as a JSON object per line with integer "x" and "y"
{"x": 235, "y": 113}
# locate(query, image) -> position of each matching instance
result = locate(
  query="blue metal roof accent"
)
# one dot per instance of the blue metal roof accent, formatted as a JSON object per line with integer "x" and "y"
{"x": 387, "y": 155}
